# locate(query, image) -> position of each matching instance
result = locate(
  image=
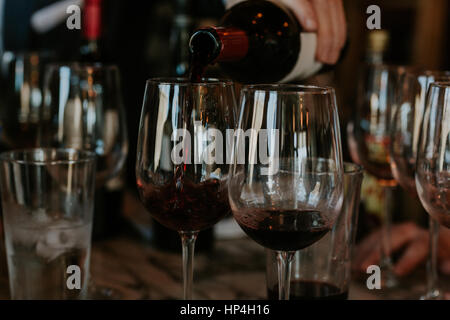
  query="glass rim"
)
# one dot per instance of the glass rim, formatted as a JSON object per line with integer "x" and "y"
{"x": 186, "y": 82}
{"x": 436, "y": 73}
{"x": 394, "y": 67}
{"x": 441, "y": 84}
{"x": 83, "y": 66}
{"x": 289, "y": 88}
{"x": 29, "y": 53}
{"x": 351, "y": 169}
{"x": 11, "y": 156}
{"x": 428, "y": 73}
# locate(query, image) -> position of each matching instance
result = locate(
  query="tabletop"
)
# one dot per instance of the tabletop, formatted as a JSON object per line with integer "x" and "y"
{"x": 128, "y": 267}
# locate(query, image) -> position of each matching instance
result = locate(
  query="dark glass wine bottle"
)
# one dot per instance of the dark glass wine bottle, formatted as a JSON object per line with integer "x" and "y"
{"x": 258, "y": 41}
{"x": 90, "y": 49}
{"x": 109, "y": 197}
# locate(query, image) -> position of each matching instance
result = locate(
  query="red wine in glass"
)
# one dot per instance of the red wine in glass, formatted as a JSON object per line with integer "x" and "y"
{"x": 372, "y": 153}
{"x": 283, "y": 230}
{"x": 181, "y": 205}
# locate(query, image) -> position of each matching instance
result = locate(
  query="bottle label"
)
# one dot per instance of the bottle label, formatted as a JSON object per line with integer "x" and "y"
{"x": 234, "y": 44}
{"x": 92, "y": 24}
{"x": 306, "y": 64}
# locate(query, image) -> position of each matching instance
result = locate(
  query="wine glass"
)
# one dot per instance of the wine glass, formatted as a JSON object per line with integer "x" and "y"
{"x": 433, "y": 154}
{"x": 21, "y": 77}
{"x": 82, "y": 109}
{"x": 182, "y": 156}
{"x": 369, "y": 142}
{"x": 408, "y": 116}
{"x": 285, "y": 188}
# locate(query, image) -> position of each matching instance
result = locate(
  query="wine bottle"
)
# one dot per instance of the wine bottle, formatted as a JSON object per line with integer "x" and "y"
{"x": 90, "y": 49}
{"x": 377, "y": 46}
{"x": 257, "y": 41}
{"x": 108, "y": 217}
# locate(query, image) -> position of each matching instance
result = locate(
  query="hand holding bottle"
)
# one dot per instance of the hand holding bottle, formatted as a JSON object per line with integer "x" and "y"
{"x": 327, "y": 18}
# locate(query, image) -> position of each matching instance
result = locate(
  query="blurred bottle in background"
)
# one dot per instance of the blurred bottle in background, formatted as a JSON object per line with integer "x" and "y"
{"x": 182, "y": 28}
{"x": 92, "y": 29}
{"x": 377, "y": 46}
{"x": 108, "y": 208}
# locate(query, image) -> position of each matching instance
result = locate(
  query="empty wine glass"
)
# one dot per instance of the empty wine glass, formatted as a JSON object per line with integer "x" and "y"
{"x": 21, "y": 77}
{"x": 433, "y": 154}
{"x": 408, "y": 116}
{"x": 82, "y": 109}
{"x": 369, "y": 140}
{"x": 182, "y": 157}
{"x": 285, "y": 188}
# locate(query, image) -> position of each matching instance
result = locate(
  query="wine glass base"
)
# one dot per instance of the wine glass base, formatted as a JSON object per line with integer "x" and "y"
{"x": 432, "y": 295}
{"x": 388, "y": 280}
{"x": 96, "y": 292}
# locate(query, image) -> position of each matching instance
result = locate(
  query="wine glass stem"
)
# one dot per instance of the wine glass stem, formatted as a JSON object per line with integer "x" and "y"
{"x": 432, "y": 278}
{"x": 188, "y": 243}
{"x": 389, "y": 278}
{"x": 284, "y": 273}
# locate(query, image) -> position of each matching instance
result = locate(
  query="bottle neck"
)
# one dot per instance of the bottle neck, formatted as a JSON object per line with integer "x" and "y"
{"x": 92, "y": 20}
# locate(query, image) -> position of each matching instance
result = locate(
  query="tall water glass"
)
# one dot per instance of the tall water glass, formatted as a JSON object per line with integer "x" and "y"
{"x": 47, "y": 199}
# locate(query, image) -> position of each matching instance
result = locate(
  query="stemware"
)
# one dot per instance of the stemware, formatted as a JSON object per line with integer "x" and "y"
{"x": 21, "y": 77}
{"x": 323, "y": 270}
{"x": 433, "y": 154}
{"x": 183, "y": 155}
{"x": 369, "y": 142}
{"x": 285, "y": 188}
{"x": 82, "y": 109}
{"x": 406, "y": 121}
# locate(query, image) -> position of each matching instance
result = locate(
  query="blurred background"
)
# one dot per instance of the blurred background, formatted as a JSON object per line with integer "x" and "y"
{"x": 150, "y": 39}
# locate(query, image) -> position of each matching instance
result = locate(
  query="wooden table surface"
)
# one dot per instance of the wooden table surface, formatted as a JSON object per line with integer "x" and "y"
{"x": 235, "y": 269}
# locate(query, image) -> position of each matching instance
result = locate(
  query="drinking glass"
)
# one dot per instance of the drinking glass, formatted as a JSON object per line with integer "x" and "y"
{"x": 183, "y": 156}
{"x": 82, "y": 109}
{"x": 369, "y": 140}
{"x": 323, "y": 270}
{"x": 48, "y": 199}
{"x": 433, "y": 154}
{"x": 21, "y": 78}
{"x": 285, "y": 188}
{"x": 408, "y": 116}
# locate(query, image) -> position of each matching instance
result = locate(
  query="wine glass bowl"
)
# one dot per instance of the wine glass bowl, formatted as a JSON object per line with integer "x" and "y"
{"x": 405, "y": 126}
{"x": 369, "y": 137}
{"x": 183, "y": 157}
{"x": 285, "y": 188}
{"x": 433, "y": 155}
{"x": 21, "y": 79}
{"x": 82, "y": 109}
{"x": 286, "y": 211}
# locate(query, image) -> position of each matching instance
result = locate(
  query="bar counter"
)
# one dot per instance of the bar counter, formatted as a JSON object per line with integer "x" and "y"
{"x": 128, "y": 267}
